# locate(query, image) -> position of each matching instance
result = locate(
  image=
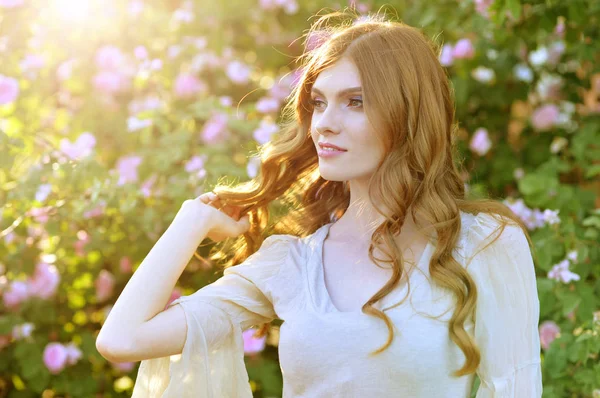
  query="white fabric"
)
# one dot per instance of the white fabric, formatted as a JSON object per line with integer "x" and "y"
{"x": 325, "y": 353}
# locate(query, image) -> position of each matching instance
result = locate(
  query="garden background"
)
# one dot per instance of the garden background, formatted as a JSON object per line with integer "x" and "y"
{"x": 112, "y": 113}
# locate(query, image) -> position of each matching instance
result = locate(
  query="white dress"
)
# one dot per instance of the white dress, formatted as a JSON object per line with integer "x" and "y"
{"x": 323, "y": 352}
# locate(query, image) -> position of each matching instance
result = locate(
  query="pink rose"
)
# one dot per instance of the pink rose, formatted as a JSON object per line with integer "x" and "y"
{"x": 215, "y": 129}
{"x": 16, "y": 294}
{"x": 45, "y": 281}
{"x": 82, "y": 147}
{"x": 188, "y": 85}
{"x": 83, "y": 239}
{"x": 238, "y": 72}
{"x": 105, "y": 283}
{"x": 9, "y": 90}
{"x": 282, "y": 87}
{"x": 124, "y": 367}
{"x": 125, "y": 265}
{"x": 480, "y": 143}
{"x": 140, "y": 52}
{"x": 96, "y": 211}
{"x": 127, "y": 168}
{"x": 146, "y": 188}
{"x": 23, "y": 331}
{"x": 253, "y": 345}
{"x": 544, "y": 117}
{"x": 316, "y": 39}
{"x": 11, "y": 3}
{"x": 74, "y": 354}
{"x": 463, "y": 49}
{"x": 175, "y": 294}
{"x": 549, "y": 331}
{"x": 482, "y": 6}
{"x": 446, "y": 57}
{"x": 267, "y": 105}
{"x": 109, "y": 58}
{"x": 111, "y": 82}
{"x": 55, "y": 357}
{"x": 264, "y": 132}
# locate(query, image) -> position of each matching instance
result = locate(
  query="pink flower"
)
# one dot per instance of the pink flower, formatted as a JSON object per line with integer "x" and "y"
{"x": 559, "y": 29}
{"x": 17, "y": 292}
{"x": 11, "y": 3}
{"x": 111, "y": 82}
{"x": 40, "y": 214}
{"x": 252, "y": 167}
{"x": 253, "y": 345}
{"x": 146, "y": 188}
{"x": 560, "y": 272}
{"x": 316, "y": 39}
{"x": 105, "y": 283}
{"x": 187, "y": 85}
{"x": 267, "y": 4}
{"x": 549, "y": 331}
{"x": 81, "y": 148}
{"x": 463, "y": 49}
{"x": 238, "y": 72}
{"x": 42, "y": 192}
{"x": 65, "y": 70}
{"x": 55, "y": 357}
{"x": 136, "y": 7}
{"x": 125, "y": 265}
{"x": 291, "y": 7}
{"x": 32, "y": 62}
{"x": 480, "y": 143}
{"x": 127, "y": 168}
{"x": 226, "y": 101}
{"x": 96, "y": 211}
{"x": 124, "y": 367}
{"x": 282, "y": 87}
{"x": 267, "y": 105}
{"x": 446, "y": 58}
{"x": 196, "y": 164}
{"x": 481, "y": 6}
{"x": 264, "y": 132}
{"x": 9, "y": 90}
{"x": 140, "y": 52}
{"x": 215, "y": 129}
{"x": 83, "y": 239}
{"x": 544, "y": 117}
{"x": 109, "y": 58}
{"x": 23, "y": 331}
{"x": 175, "y": 294}
{"x": 74, "y": 354}
{"x": 45, "y": 281}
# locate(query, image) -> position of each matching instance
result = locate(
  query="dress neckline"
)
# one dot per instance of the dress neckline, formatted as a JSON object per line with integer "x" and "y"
{"x": 320, "y": 244}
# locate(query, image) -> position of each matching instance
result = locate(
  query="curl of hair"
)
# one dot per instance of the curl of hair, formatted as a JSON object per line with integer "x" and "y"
{"x": 409, "y": 101}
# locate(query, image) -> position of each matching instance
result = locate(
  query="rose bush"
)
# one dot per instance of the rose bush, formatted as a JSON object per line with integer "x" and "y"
{"x": 113, "y": 113}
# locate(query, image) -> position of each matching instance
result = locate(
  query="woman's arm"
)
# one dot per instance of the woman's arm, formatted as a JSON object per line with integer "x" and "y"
{"x": 148, "y": 291}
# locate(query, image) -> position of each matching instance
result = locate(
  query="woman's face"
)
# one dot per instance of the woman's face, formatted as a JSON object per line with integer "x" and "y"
{"x": 339, "y": 118}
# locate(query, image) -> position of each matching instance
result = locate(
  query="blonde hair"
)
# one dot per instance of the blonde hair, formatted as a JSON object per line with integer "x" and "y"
{"x": 408, "y": 98}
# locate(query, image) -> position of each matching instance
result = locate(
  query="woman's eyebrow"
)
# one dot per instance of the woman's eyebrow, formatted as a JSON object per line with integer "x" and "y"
{"x": 340, "y": 93}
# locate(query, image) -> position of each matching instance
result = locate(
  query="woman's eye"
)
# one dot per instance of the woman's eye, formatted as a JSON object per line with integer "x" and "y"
{"x": 315, "y": 102}
{"x": 356, "y": 101}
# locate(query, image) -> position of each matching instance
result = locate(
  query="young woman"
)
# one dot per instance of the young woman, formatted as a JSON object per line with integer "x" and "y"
{"x": 389, "y": 282}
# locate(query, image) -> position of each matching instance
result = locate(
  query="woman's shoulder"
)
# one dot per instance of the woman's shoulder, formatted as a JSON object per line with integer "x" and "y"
{"x": 478, "y": 230}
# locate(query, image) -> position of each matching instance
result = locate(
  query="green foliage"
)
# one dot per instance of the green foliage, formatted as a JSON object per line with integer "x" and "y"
{"x": 99, "y": 214}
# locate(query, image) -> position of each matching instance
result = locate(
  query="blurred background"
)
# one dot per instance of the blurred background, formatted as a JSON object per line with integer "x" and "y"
{"x": 112, "y": 113}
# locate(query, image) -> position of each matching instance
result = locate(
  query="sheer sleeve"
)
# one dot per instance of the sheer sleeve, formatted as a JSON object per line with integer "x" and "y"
{"x": 507, "y": 312}
{"x": 212, "y": 361}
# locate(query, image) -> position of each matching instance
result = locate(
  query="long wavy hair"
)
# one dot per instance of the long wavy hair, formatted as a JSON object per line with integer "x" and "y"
{"x": 409, "y": 101}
